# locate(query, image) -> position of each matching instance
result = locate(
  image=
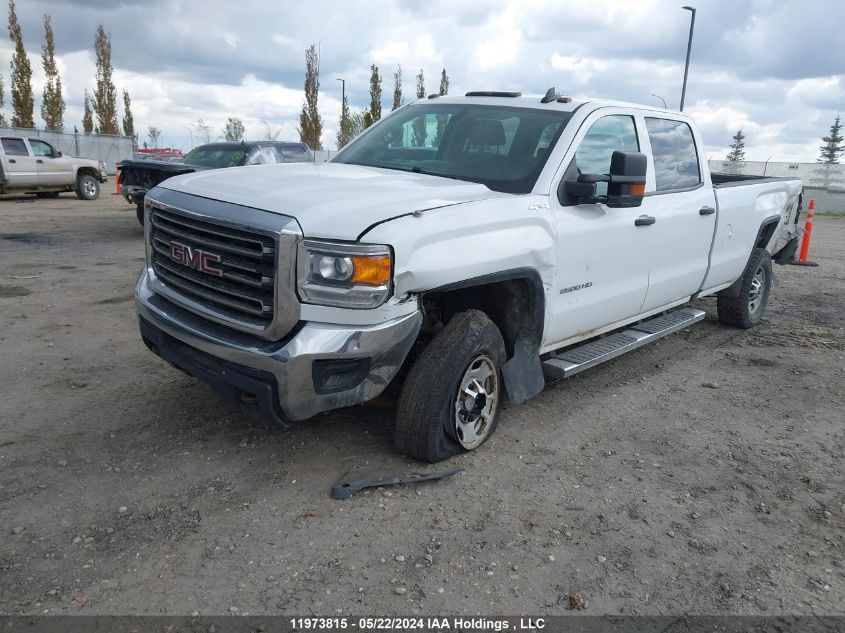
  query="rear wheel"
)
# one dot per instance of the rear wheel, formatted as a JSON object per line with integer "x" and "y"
{"x": 747, "y": 309}
{"x": 452, "y": 397}
{"x": 87, "y": 187}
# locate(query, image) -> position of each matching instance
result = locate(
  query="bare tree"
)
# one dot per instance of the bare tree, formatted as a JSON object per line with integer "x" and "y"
{"x": 204, "y": 130}
{"x": 271, "y": 133}
{"x": 154, "y": 135}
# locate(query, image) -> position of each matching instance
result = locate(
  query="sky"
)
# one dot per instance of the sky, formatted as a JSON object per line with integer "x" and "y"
{"x": 775, "y": 68}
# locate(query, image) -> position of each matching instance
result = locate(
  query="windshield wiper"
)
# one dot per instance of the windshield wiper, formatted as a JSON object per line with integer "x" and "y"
{"x": 419, "y": 170}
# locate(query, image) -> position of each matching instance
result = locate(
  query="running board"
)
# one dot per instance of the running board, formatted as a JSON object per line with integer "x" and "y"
{"x": 577, "y": 359}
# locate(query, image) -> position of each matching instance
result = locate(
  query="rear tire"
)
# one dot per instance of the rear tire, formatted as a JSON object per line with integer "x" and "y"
{"x": 452, "y": 397}
{"x": 87, "y": 187}
{"x": 748, "y": 308}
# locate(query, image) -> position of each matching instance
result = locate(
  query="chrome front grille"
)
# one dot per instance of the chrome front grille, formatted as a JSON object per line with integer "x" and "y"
{"x": 245, "y": 287}
{"x": 230, "y": 264}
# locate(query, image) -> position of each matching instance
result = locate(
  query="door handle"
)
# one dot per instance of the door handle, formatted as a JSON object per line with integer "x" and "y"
{"x": 38, "y": 160}
{"x": 12, "y": 160}
{"x": 644, "y": 220}
{"x": 706, "y": 211}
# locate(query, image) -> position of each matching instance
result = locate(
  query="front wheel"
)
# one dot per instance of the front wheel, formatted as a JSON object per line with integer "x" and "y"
{"x": 87, "y": 187}
{"x": 452, "y": 398}
{"x": 747, "y": 309}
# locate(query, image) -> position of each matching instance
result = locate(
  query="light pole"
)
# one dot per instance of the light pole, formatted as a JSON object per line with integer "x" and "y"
{"x": 661, "y": 98}
{"x": 689, "y": 50}
{"x": 191, "y": 132}
{"x": 343, "y": 88}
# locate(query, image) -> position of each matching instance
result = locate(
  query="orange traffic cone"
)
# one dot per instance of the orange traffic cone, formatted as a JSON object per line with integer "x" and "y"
{"x": 117, "y": 180}
{"x": 808, "y": 232}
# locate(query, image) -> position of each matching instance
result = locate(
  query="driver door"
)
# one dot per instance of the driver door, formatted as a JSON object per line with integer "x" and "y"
{"x": 53, "y": 170}
{"x": 602, "y": 259}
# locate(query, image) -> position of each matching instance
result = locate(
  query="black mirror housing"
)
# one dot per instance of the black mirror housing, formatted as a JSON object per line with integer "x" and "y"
{"x": 627, "y": 179}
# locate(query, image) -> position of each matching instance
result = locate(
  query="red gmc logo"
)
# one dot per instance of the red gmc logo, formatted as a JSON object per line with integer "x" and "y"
{"x": 195, "y": 258}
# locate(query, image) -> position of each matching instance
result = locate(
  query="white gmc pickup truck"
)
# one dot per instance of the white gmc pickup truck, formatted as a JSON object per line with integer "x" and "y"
{"x": 463, "y": 247}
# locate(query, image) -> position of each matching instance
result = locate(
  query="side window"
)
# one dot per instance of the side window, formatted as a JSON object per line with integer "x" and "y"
{"x": 14, "y": 147}
{"x": 262, "y": 155}
{"x": 675, "y": 159}
{"x": 609, "y": 134}
{"x": 294, "y": 154}
{"x": 40, "y": 148}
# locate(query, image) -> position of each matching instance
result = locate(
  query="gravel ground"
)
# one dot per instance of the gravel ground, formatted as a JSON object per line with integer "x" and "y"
{"x": 701, "y": 474}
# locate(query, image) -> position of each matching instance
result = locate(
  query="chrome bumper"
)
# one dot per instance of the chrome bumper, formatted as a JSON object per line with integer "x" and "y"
{"x": 289, "y": 362}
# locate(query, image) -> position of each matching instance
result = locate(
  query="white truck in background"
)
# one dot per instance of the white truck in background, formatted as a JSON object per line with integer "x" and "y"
{"x": 32, "y": 165}
{"x": 464, "y": 247}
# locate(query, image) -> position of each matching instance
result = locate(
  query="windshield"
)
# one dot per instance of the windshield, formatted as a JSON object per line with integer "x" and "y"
{"x": 214, "y": 157}
{"x": 504, "y": 148}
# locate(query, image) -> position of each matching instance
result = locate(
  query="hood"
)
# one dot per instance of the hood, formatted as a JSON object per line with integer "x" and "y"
{"x": 330, "y": 200}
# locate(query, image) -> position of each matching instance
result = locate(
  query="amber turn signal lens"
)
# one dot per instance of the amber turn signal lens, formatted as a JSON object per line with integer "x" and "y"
{"x": 374, "y": 270}
{"x": 636, "y": 190}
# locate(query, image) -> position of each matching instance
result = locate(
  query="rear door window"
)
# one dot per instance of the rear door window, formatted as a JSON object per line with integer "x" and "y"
{"x": 14, "y": 147}
{"x": 675, "y": 158}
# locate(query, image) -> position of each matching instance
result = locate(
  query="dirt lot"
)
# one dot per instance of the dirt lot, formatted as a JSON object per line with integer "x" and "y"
{"x": 126, "y": 487}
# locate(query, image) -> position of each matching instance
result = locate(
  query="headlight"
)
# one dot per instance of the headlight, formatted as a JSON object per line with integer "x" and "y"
{"x": 344, "y": 275}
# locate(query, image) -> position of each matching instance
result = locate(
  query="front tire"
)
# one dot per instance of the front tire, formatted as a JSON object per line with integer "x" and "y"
{"x": 87, "y": 187}
{"x": 452, "y": 397}
{"x": 748, "y": 308}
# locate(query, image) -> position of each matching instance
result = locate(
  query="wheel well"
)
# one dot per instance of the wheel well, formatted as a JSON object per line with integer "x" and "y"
{"x": 764, "y": 235}
{"x": 85, "y": 171}
{"x": 514, "y": 305}
{"x": 515, "y": 302}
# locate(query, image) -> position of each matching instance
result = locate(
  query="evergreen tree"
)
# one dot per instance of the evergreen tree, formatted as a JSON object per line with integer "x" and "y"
{"x": 344, "y": 134}
{"x": 154, "y": 135}
{"x": 375, "y": 94}
{"x": 87, "y": 114}
{"x": 105, "y": 96}
{"x": 52, "y": 104}
{"x": 419, "y": 131}
{"x": 128, "y": 119}
{"x": 23, "y": 103}
{"x": 737, "y": 152}
{"x": 833, "y": 144}
{"x": 442, "y": 119}
{"x": 234, "y": 130}
{"x": 397, "y": 87}
{"x": 2, "y": 100}
{"x": 310, "y": 123}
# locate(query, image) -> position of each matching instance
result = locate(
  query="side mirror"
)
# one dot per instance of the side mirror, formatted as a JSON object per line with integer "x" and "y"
{"x": 627, "y": 179}
{"x": 57, "y": 154}
{"x": 625, "y": 183}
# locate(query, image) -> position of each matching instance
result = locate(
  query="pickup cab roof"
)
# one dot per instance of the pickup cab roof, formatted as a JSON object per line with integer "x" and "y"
{"x": 535, "y": 101}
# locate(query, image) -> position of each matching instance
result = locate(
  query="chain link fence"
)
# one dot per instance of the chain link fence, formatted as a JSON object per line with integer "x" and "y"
{"x": 823, "y": 182}
{"x": 107, "y": 148}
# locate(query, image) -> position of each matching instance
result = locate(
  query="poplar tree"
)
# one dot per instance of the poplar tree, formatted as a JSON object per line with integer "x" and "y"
{"x": 2, "y": 100}
{"x": 737, "y": 152}
{"x": 23, "y": 103}
{"x": 344, "y": 134}
{"x": 87, "y": 114}
{"x": 397, "y": 87}
{"x": 419, "y": 122}
{"x": 442, "y": 119}
{"x": 375, "y": 93}
{"x": 128, "y": 119}
{"x": 310, "y": 123}
{"x": 833, "y": 145}
{"x": 52, "y": 102}
{"x": 105, "y": 96}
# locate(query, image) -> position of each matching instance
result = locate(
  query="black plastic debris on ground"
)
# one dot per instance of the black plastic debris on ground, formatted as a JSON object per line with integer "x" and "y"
{"x": 361, "y": 477}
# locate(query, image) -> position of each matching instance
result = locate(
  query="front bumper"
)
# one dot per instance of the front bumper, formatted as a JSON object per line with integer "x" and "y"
{"x": 280, "y": 377}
